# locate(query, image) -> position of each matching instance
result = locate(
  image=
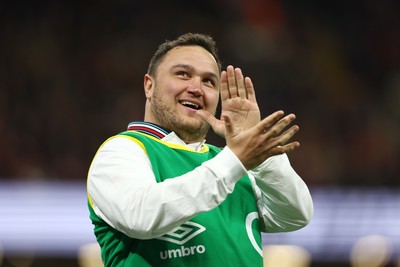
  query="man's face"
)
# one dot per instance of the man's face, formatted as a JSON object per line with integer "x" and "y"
{"x": 186, "y": 80}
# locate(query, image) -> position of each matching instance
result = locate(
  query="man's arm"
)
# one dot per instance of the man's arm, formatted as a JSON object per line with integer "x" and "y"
{"x": 125, "y": 193}
{"x": 283, "y": 199}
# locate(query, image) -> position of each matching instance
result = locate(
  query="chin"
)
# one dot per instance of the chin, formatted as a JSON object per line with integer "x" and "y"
{"x": 195, "y": 129}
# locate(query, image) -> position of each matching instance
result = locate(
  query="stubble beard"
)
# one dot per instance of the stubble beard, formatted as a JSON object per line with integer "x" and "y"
{"x": 169, "y": 119}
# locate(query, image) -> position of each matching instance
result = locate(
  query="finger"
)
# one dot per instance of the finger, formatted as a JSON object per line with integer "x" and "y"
{"x": 251, "y": 94}
{"x": 240, "y": 83}
{"x": 217, "y": 125}
{"x": 269, "y": 121}
{"x": 277, "y": 128}
{"x": 285, "y": 137}
{"x": 208, "y": 117}
{"x": 232, "y": 81}
{"x": 284, "y": 149}
{"x": 224, "y": 86}
{"x": 288, "y": 134}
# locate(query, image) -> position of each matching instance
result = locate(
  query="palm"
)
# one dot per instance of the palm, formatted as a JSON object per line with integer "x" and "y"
{"x": 251, "y": 139}
{"x": 238, "y": 102}
{"x": 243, "y": 112}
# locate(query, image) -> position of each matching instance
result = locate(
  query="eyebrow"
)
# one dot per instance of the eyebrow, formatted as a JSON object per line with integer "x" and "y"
{"x": 189, "y": 67}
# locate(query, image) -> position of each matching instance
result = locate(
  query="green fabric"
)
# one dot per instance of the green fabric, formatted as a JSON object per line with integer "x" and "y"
{"x": 224, "y": 240}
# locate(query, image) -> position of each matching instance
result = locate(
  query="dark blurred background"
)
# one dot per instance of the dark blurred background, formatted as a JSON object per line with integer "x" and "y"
{"x": 71, "y": 75}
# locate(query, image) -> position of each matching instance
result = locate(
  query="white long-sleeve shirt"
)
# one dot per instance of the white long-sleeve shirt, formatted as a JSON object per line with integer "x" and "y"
{"x": 125, "y": 194}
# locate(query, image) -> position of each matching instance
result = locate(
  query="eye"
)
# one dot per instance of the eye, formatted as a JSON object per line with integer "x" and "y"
{"x": 182, "y": 73}
{"x": 209, "y": 82}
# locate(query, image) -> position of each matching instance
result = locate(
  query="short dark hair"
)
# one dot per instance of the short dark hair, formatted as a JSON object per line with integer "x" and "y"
{"x": 188, "y": 39}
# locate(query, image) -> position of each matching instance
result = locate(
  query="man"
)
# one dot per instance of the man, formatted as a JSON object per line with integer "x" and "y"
{"x": 160, "y": 196}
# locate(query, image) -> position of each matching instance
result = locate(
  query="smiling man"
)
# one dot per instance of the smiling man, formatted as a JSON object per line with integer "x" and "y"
{"x": 159, "y": 195}
{"x": 181, "y": 85}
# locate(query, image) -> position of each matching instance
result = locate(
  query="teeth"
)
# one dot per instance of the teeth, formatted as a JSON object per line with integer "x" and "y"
{"x": 190, "y": 104}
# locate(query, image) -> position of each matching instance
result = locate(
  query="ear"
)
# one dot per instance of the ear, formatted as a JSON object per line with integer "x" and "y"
{"x": 148, "y": 84}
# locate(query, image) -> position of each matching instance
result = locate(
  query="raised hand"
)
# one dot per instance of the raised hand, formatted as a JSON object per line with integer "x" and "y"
{"x": 251, "y": 139}
{"x": 238, "y": 101}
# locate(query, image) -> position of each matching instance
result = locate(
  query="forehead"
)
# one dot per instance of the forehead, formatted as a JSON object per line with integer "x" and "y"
{"x": 195, "y": 56}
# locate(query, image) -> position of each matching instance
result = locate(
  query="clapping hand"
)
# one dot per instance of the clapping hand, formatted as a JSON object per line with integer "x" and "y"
{"x": 251, "y": 139}
{"x": 238, "y": 101}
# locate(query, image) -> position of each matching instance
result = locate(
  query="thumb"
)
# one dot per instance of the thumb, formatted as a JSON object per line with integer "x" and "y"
{"x": 207, "y": 116}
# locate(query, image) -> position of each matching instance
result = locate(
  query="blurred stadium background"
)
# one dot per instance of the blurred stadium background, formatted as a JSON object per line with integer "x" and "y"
{"x": 71, "y": 75}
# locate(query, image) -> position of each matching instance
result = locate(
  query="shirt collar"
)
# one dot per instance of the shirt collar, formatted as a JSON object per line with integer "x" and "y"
{"x": 161, "y": 133}
{"x": 148, "y": 128}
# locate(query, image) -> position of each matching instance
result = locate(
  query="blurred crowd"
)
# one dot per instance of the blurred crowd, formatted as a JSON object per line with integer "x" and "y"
{"x": 71, "y": 75}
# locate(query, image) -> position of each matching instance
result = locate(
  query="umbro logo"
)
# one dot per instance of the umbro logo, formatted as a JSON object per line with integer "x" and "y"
{"x": 183, "y": 233}
{"x": 180, "y": 235}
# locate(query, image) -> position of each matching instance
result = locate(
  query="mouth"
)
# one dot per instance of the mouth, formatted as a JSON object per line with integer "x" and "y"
{"x": 190, "y": 104}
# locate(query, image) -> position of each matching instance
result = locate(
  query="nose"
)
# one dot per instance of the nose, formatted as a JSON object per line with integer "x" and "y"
{"x": 195, "y": 87}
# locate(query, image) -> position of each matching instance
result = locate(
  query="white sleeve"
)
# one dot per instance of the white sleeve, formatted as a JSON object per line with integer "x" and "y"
{"x": 284, "y": 201}
{"x": 125, "y": 194}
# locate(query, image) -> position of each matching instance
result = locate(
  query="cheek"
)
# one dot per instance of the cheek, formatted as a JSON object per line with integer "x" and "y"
{"x": 165, "y": 91}
{"x": 211, "y": 100}
{"x": 172, "y": 88}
